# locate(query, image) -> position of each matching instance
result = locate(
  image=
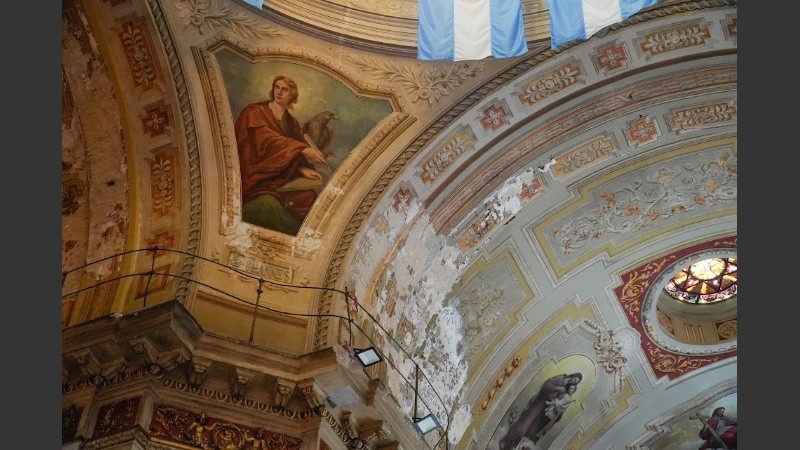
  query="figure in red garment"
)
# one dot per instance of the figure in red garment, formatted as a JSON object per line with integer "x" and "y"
{"x": 273, "y": 153}
{"x": 723, "y": 426}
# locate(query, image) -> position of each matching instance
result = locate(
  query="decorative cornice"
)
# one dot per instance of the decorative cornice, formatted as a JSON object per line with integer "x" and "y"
{"x": 421, "y": 82}
{"x": 207, "y": 15}
{"x": 186, "y": 388}
{"x": 547, "y": 135}
{"x": 366, "y": 434}
{"x": 185, "y": 428}
{"x": 136, "y": 434}
{"x": 187, "y": 116}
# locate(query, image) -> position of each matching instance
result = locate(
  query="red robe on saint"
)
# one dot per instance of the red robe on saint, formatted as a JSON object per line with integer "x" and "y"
{"x": 269, "y": 157}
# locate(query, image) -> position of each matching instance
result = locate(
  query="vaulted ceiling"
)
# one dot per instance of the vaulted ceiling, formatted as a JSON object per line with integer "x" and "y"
{"x": 496, "y": 221}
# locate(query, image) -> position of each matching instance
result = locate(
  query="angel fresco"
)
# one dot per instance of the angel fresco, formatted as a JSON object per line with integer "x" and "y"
{"x": 279, "y": 159}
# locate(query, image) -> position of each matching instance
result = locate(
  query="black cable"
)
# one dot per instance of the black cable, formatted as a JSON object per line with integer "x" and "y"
{"x": 257, "y": 306}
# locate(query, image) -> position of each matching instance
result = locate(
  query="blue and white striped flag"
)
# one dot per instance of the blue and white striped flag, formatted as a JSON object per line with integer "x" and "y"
{"x": 580, "y": 19}
{"x": 457, "y": 30}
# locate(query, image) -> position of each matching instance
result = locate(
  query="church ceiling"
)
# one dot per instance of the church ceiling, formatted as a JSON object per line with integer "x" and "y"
{"x": 504, "y": 220}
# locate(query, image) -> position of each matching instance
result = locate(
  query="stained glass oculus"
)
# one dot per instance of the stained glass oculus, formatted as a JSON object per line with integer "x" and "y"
{"x": 707, "y": 281}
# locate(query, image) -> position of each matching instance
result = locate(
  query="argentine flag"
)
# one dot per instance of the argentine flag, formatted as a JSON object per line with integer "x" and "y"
{"x": 580, "y": 19}
{"x": 458, "y": 30}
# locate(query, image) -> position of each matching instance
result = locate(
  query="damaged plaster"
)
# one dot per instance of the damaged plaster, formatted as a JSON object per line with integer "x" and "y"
{"x": 93, "y": 153}
{"x": 401, "y": 260}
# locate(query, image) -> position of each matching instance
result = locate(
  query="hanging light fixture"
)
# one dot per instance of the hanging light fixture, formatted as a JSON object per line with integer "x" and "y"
{"x": 426, "y": 424}
{"x": 367, "y": 356}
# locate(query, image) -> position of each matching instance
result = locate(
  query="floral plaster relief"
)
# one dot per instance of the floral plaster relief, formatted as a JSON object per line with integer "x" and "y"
{"x": 666, "y": 193}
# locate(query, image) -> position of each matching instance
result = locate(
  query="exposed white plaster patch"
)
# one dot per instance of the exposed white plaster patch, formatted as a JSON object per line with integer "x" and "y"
{"x": 459, "y": 423}
{"x": 241, "y": 237}
{"x": 412, "y": 211}
{"x": 413, "y": 278}
{"x": 308, "y": 240}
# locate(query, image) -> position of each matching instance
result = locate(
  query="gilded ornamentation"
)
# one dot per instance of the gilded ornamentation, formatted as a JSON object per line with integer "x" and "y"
{"x": 348, "y": 436}
{"x": 495, "y": 116}
{"x": 447, "y": 217}
{"x": 481, "y": 226}
{"x": 636, "y": 284}
{"x": 613, "y": 348}
{"x": 140, "y": 60}
{"x": 421, "y": 82}
{"x": 116, "y": 417}
{"x": 611, "y": 57}
{"x": 532, "y": 190}
{"x": 269, "y": 270}
{"x": 666, "y": 322}
{"x": 498, "y": 383}
{"x": 403, "y": 198}
{"x": 207, "y": 15}
{"x": 609, "y": 352}
{"x": 639, "y": 285}
{"x": 163, "y": 240}
{"x": 191, "y": 150}
{"x": 462, "y": 140}
{"x": 733, "y": 243}
{"x": 540, "y": 88}
{"x": 660, "y": 194}
{"x": 674, "y": 364}
{"x": 675, "y": 39}
{"x": 500, "y": 167}
{"x": 172, "y": 425}
{"x": 162, "y": 183}
{"x": 731, "y": 28}
{"x": 703, "y": 116}
{"x": 156, "y": 120}
{"x": 120, "y": 378}
{"x": 727, "y": 330}
{"x": 642, "y": 131}
{"x": 585, "y": 155}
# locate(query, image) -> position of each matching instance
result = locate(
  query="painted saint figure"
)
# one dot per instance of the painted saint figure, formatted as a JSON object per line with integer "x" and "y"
{"x": 720, "y": 431}
{"x": 558, "y": 405}
{"x": 556, "y": 394}
{"x": 276, "y": 162}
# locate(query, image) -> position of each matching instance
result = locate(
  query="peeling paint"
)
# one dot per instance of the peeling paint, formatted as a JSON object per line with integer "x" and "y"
{"x": 403, "y": 262}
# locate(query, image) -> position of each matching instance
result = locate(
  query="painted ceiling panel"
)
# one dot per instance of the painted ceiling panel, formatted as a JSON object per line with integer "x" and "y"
{"x": 494, "y": 223}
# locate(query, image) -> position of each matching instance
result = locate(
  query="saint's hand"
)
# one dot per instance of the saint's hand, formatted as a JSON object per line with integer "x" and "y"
{"x": 308, "y": 172}
{"x": 313, "y": 155}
